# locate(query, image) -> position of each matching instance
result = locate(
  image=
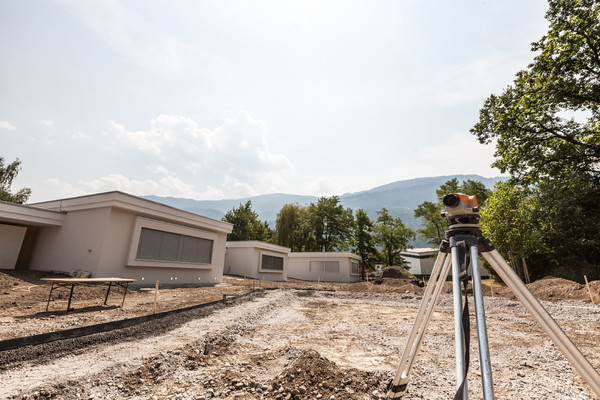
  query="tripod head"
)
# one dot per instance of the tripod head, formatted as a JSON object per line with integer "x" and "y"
{"x": 462, "y": 211}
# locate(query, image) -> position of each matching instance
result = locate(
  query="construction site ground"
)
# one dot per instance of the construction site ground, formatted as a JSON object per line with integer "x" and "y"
{"x": 284, "y": 340}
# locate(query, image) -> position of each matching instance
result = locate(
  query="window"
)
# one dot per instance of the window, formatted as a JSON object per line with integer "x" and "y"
{"x": 272, "y": 263}
{"x": 325, "y": 266}
{"x": 156, "y": 245}
{"x": 354, "y": 266}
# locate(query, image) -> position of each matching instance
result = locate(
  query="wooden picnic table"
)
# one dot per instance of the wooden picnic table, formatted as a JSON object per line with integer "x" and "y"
{"x": 65, "y": 282}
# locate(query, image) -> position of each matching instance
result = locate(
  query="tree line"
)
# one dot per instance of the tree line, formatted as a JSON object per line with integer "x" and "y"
{"x": 326, "y": 225}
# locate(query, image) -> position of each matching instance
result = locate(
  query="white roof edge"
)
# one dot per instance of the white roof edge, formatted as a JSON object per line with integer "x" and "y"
{"x": 324, "y": 254}
{"x": 421, "y": 250}
{"x": 133, "y": 203}
{"x": 28, "y": 215}
{"x": 258, "y": 244}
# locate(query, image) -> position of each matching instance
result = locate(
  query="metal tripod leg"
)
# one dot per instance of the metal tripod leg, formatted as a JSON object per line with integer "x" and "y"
{"x": 539, "y": 313}
{"x": 459, "y": 337}
{"x": 484, "y": 352}
{"x": 413, "y": 343}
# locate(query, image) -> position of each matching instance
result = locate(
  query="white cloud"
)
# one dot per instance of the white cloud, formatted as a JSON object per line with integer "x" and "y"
{"x": 47, "y": 122}
{"x": 234, "y": 158}
{"x": 7, "y": 125}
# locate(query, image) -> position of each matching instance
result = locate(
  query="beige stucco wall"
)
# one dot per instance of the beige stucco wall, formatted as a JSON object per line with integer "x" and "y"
{"x": 11, "y": 238}
{"x": 299, "y": 266}
{"x": 76, "y": 245}
{"x": 241, "y": 261}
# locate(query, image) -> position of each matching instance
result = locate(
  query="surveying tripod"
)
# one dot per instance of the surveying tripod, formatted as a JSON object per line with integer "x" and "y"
{"x": 464, "y": 241}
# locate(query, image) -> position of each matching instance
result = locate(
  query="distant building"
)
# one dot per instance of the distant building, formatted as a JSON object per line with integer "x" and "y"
{"x": 257, "y": 260}
{"x": 326, "y": 266}
{"x": 114, "y": 234}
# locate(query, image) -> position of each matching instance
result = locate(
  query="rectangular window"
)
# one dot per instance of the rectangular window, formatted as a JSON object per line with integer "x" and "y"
{"x": 158, "y": 245}
{"x": 325, "y": 266}
{"x": 272, "y": 263}
{"x": 354, "y": 266}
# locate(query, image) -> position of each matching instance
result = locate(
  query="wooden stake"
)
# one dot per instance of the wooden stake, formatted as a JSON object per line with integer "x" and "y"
{"x": 155, "y": 296}
{"x": 588, "y": 289}
{"x": 525, "y": 271}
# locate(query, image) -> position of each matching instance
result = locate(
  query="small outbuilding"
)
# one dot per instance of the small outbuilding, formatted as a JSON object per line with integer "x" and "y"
{"x": 256, "y": 259}
{"x": 114, "y": 234}
{"x": 324, "y": 266}
{"x": 420, "y": 261}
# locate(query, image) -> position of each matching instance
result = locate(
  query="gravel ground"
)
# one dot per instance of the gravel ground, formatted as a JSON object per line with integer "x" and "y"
{"x": 309, "y": 344}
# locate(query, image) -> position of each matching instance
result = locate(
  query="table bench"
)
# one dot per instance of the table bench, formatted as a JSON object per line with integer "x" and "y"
{"x": 66, "y": 282}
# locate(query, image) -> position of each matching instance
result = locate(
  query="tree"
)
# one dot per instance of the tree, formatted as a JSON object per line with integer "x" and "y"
{"x": 508, "y": 220}
{"x": 451, "y": 186}
{"x": 434, "y": 225}
{"x": 553, "y": 225}
{"x": 291, "y": 227}
{"x": 331, "y": 224}
{"x": 548, "y": 122}
{"x": 363, "y": 240}
{"x": 246, "y": 225}
{"x": 568, "y": 213}
{"x": 392, "y": 236}
{"x": 7, "y": 174}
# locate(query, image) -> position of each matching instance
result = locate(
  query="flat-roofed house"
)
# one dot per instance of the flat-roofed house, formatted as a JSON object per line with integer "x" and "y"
{"x": 324, "y": 266}
{"x": 256, "y": 259}
{"x": 114, "y": 234}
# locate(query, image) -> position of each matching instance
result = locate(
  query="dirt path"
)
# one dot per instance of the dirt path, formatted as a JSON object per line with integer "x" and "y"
{"x": 298, "y": 344}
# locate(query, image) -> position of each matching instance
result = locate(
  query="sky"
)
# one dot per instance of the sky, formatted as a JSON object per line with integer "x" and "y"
{"x": 224, "y": 99}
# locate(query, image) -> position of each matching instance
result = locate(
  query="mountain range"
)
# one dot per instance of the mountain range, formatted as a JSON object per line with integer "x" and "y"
{"x": 400, "y": 198}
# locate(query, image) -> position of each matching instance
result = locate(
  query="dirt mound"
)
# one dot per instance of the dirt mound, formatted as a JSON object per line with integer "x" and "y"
{"x": 397, "y": 279}
{"x": 313, "y": 376}
{"x": 395, "y": 272}
{"x": 562, "y": 289}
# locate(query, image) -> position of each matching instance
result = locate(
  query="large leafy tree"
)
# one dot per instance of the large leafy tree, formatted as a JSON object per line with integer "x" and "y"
{"x": 548, "y": 122}
{"x": 509, "y": 220}
{"x": 331, "y": 224}
{"x": 364, "y": 243}
{"x": 568, "y": 214}
{"x": 246, "y": 225}
{"x": 553, "y": 225}
{"x": 392, "y": 236}
{"x": 292, "y": 227}
{"x": 7, "y": 174}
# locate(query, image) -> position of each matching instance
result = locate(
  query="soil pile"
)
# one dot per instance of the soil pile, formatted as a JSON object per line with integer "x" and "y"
{"x": 400, "y": 279}
{"x": 312, "y": 376}
{"x": 395, "y": 272}
{"x": 551, "y": 288}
